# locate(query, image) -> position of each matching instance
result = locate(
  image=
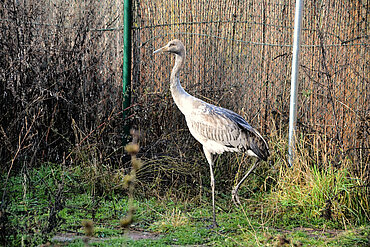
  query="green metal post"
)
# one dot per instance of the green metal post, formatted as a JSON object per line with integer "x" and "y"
{"x": 126, "y": 83}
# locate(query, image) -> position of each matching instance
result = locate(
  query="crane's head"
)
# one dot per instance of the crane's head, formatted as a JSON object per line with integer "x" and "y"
{"x": 174, "y": 46}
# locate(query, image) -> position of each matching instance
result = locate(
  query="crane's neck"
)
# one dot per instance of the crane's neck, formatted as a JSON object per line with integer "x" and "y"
{"x": 179, "y": 61}
{"x": 180, "y": 96}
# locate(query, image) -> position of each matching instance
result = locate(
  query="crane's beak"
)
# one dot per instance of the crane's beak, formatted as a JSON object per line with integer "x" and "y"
{"x": 164, "y": 48}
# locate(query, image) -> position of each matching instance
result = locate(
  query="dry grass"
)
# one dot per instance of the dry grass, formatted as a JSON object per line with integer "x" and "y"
{"x": 171, "y": 220}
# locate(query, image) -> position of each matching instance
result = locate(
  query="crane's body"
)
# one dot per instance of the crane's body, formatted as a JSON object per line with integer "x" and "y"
{"x": 217, "y": 129}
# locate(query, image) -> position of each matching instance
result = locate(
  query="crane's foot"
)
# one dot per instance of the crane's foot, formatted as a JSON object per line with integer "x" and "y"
{"x": 235, "y": 197}
{"x": 213, "y": 226}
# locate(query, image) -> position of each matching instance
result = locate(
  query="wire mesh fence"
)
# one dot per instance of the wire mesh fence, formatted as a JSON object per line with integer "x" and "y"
{"x": 239, "y": 57}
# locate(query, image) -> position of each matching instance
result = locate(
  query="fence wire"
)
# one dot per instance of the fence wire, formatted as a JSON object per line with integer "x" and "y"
{"x": 239, "y": 57}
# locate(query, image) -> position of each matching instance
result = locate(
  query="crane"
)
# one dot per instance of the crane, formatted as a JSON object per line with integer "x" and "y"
{"x": 217, "y": 129}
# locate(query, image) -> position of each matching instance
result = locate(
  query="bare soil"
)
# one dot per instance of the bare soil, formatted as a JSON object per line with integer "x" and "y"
{"x": 130, "y": 234}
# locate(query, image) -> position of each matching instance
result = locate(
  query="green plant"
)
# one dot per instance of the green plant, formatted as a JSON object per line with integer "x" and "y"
{"x": 319, "y": 192}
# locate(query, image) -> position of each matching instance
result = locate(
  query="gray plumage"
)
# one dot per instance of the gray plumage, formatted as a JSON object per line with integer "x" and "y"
{"x": 216, "y": 128}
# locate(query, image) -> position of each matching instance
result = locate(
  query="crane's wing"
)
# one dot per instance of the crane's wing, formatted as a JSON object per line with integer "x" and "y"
{"x": 217, "y": 125}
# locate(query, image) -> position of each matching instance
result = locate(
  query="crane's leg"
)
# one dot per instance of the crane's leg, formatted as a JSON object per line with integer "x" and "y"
{"x": 210, "y": 162}
{"x": 234, "y": 192}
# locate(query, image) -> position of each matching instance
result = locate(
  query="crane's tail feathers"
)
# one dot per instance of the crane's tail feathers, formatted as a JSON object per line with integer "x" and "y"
{"x": 260, "y": 148}
{"x": 256, "y": 143}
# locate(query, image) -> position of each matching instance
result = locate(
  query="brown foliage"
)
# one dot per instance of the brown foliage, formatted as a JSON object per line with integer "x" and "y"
{"x": 62, "y": 78}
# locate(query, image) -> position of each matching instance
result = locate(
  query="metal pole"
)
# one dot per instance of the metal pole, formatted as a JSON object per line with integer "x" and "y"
{"x": 126, "y": 82}
{"x": 294, "y": 80}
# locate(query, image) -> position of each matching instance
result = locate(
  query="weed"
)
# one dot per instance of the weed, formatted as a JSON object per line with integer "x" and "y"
{"x": 171, "y": 220}
{"x": 130, "y": 179}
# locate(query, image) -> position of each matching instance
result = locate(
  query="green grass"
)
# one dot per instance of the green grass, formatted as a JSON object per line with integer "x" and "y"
{"x": 316, "y": 194}
{"x": 32, "y": 201}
